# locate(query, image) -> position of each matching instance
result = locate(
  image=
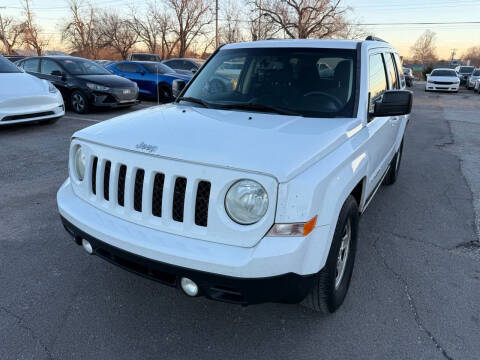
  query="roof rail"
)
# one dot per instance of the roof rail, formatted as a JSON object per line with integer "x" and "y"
{"x": 374, "y": 38}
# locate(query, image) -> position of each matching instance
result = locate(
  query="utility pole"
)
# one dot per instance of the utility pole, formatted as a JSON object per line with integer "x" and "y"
{"x": 216, "y": 24}
{"x": 454, "y": 51}
{"x": 259, "y": 20}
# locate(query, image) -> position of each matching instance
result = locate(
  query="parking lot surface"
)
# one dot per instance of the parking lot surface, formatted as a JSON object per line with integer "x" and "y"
{"x": 414, "y": 294}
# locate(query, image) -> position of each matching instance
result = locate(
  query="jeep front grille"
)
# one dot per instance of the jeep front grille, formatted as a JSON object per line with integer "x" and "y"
{"x": 117, "y": 181}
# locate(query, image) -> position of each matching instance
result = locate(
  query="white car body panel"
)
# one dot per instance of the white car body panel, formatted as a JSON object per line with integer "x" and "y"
{"x": 307, "y": 166}
{"x": 22, "y": 95}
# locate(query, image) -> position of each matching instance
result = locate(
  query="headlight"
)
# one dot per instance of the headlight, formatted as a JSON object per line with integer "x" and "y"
{"x": 246, "y": 202}
{"x": 97, "y": 87}
{"x": 79, "y": 163}
{"x": 52, "y": 88}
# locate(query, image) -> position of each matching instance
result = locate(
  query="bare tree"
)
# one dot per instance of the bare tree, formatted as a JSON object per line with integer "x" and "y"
{"x": 146, "y": 26}
{"x": 231, "y": 29}
{"x": 303, "y": 18}
{"x": 81, "y": 31}
{"x": 117, "y": 33}
{"x": 424, "y": 49}
{"x": 31, "y": 32}
{"x": 258, "y": 27}
{"x": 191, "y": 20}
{"x": 10, "y": 33}
{"x": 168, "y": 40}
{"x": 473, "y": 54}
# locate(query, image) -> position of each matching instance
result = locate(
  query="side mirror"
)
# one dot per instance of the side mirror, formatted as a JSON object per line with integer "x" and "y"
{"x": 177, "y": 87}
{"x": 394, "y": 103}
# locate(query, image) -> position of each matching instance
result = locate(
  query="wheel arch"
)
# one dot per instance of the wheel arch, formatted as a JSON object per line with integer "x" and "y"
{"x": 321, "y": 191}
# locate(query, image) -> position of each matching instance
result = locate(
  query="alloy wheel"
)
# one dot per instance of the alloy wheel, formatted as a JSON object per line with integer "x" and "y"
{"x": 343, "y": 253}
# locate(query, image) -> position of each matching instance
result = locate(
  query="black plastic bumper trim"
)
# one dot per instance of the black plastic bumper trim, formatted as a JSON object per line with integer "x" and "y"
{"x": 286, "y": 288}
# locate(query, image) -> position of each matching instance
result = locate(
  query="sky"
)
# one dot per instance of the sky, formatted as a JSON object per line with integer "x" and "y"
{"x": 49, "y": 15}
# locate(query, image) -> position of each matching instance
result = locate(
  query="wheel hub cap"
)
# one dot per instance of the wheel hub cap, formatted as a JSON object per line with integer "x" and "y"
{"x": 343, "y": 254}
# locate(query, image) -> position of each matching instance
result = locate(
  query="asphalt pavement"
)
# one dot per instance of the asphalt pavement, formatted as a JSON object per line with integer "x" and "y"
{"x": 414, "y": 294}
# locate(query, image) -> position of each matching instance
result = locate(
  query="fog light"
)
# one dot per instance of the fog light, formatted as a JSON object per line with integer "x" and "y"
{"x": 189, "y": 287}
{"x": 87, "y": 246}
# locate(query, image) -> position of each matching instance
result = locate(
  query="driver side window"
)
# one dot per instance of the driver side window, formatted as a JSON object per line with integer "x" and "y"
{"x": 377, "y": 80}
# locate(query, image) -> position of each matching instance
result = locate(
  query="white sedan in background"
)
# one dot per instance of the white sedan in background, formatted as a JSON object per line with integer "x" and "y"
{"x": 25, "y": 98}
{"x": 442, "y": 80}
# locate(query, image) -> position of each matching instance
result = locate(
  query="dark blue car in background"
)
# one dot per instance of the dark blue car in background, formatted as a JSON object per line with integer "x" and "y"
{"x": 153, "y": 78}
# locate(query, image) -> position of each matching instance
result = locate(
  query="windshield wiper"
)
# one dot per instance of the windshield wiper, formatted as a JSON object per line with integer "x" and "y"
{"x": 195, "y": 100}
{"x": 260, "y": 107}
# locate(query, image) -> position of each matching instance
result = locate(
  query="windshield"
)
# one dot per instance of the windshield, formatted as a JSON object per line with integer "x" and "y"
{"x": 83, "y": 67}
{"x": 443, "y": 73}
{"x": 6, "y": 66}
{"x": 158, "y": 68}
{"x": 466, "y": 69}
{"x": 307, "y": 82}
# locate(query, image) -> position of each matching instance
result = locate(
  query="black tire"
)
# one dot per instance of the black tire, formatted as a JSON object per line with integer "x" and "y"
{"x": 329, "y": 289}
{"x": 392, "y": 174}
{"x": 79, "y": 102}
{"x": 164, "y": 93}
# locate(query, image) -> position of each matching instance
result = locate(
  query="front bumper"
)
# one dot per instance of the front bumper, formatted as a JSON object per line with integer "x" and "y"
{"x": 436, "y": 87}
{"x": 113, "y": 98}
{"x": 287, "y": 288}
{"x": 35, "y": 108}
{"x": 276, "y": 269}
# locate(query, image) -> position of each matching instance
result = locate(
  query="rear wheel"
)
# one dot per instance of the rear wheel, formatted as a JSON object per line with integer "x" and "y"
{"x": 331, "y": 286}
{"x": 79, "y": 102}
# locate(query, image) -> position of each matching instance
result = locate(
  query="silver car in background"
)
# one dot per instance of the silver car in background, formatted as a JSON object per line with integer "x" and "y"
{"x": 473, "y": 79}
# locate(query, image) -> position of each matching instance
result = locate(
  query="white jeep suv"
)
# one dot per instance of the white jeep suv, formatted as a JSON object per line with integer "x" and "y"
{"x": 248, "y": 188}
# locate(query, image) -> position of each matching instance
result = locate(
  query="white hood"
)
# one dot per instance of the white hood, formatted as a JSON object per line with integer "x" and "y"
{"x": 15, "y": 85}
{"x": 278, "y": 145}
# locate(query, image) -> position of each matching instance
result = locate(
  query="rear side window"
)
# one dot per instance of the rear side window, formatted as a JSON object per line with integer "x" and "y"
{"x": 31, "y": 65}
{"x": 391, "y": 72}
{"x": 377, "y": 81}
{"x": 400, "y": 71}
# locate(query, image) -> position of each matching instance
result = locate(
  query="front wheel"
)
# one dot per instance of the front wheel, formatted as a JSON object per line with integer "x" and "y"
{"x": 331, "y": 286}
{"x": 79, "y": 102}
